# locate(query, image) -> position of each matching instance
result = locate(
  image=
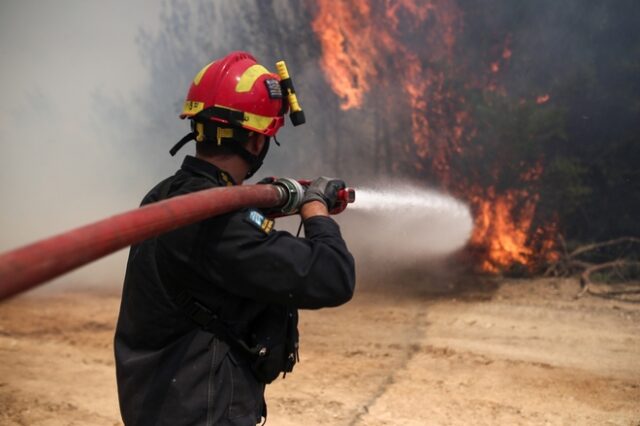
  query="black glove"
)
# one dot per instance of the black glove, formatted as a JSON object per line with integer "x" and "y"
{"x": 325, "y": 190}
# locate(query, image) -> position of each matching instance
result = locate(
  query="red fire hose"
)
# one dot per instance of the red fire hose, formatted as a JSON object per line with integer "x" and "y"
{"x": 28, "y": 266}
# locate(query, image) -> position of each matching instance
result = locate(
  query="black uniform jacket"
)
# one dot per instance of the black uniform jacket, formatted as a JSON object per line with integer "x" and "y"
{"x": 170, "y": 371}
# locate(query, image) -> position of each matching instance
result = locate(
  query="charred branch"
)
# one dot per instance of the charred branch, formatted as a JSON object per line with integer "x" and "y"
{"x": 617, "y": 265}
{"x": 569, "y": 263}
{"x": 595, "y": 246}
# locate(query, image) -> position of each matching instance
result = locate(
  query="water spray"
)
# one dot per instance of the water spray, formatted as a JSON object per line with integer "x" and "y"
{"x": 405, "y": 225}
{"x": 405, "y": 198}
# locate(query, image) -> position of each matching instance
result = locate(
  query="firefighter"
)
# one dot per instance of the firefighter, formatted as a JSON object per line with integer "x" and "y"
{"x": 209, "y": 311}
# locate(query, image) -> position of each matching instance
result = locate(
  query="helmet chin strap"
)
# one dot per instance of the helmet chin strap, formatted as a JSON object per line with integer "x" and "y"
{"x": 182, "y": 142}
{"x": 255, "y": 161}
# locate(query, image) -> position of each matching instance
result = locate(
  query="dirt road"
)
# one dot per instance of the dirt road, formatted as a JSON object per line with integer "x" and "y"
{"x": 508, "y": 352}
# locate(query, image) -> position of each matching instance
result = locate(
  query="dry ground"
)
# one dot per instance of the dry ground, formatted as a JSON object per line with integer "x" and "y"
{"x": 510, "y": 352}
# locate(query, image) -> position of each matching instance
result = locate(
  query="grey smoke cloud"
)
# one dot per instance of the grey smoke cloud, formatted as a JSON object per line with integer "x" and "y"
{"x": 57, "y": 168}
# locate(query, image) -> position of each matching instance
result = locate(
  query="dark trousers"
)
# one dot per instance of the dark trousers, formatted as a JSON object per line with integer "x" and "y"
{"x": 236, "y": 398}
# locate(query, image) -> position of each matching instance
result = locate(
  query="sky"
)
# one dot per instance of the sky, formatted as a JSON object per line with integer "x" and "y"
{"x": 57, "y": 168}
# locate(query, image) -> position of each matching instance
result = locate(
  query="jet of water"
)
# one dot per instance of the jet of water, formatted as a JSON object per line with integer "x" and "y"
{"x": 403, "y": 223}
{"x": 410, "y": 200}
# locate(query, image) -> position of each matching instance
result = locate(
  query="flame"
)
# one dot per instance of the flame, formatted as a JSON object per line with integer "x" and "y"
{"x": 543, "y": 99}
{"x": 369, "y": 46}
{"x": 504, "y": 236}
{"x": 344, "y": 30}
{"x": 504, "y": 226}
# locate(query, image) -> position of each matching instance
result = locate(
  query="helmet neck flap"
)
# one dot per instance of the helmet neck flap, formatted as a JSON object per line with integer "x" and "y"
{"x": 204, "y": 130}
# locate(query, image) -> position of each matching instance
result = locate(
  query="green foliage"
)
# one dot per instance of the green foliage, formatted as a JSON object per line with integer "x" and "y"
{"x": 614, "y": 207}
{"x": 586, "y": 56}
{"x": 564, "y": 186}
{"x": 511, "y": 138}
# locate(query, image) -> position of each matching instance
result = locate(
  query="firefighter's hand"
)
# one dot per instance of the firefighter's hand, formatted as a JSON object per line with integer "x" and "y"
{"x": 313, "y": 208}
{"x": 325, "y": 190}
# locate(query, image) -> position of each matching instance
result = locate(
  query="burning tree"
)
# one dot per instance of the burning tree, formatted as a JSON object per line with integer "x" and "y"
{"x": 405, "y": 57}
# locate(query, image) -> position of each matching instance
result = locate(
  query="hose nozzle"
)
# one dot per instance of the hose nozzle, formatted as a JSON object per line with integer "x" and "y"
{"x": 292, "y": 192}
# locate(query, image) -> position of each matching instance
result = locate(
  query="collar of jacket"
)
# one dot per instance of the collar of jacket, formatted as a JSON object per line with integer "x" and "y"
{"x": 207, "y": 170}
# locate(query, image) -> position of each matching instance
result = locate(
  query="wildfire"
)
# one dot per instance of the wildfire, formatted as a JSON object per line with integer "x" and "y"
{"x": 369, "y": 46}
{"x": 503, "y": 234}
{"x": 542, "y": 99}
{"x": 345, "y": 32}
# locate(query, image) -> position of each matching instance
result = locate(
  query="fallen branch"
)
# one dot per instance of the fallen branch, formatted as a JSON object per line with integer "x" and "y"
{"x": 570, "y": 264}
{"x": 590, "y": 247}
{"x": 585, "y": 277}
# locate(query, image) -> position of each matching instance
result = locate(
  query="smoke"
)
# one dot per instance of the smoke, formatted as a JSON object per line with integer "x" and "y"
{"x": 64, "y": 160}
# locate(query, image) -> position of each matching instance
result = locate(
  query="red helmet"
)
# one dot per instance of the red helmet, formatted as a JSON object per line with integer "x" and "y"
{"x": 237, "y": 91}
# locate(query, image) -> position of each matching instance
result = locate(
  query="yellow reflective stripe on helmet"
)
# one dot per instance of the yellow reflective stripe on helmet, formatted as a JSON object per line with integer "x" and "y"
{"x": 258, "y": 122}
{"x": 254, "y": 121}
{"x": 198, "y": 77}
{"x": 249, "y": 76}
{"x": 192, "y": 107}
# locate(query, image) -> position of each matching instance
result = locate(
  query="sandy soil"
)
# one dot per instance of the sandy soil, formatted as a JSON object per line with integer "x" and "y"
{"x": 504, "y": 352}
